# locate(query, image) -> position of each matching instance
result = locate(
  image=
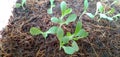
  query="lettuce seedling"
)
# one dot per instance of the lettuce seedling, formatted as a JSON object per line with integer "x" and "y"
{"x": 49, "y": 11}
{"x": 64, "y": 11}
{"x": 36, "y": 31}
{"x": 101, "y": 12}
{"x": 18, "y": 5}
{"x": 78, "y": 34}
{"x": 86, "y": 4}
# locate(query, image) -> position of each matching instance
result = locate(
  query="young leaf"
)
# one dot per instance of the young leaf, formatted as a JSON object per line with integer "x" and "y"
{"x": 55, "y": 20}
{"x": 35, "y": 31}
{"x": 85, "y": 5}
{"x": 18, "y": 5}
{"x": 75, "y": 46}
{"x": 49, "y": 11}
{"x": 71, "y": 18}
{"x": 90, "y": 15}
{"x": 111, "y": 11}
{"x": 106, "y": 17}
{"x": 78, "y": 27}
{"x": 52, "y": 30}
{"x": 65, "y": 40}
{"x": 52, "y": 3}
{"x": 100, "y": 7}
{"x": 69, "y": 50}
{"x": 63, "y": 6}
{"x": 67, "y": 11}
{"x": 68, "y": 34}
{"x": 60, "y": 33}
{"x": 23, "y": 2}
{"x": 82, "y": 33}
{"x": 45, "y": 35}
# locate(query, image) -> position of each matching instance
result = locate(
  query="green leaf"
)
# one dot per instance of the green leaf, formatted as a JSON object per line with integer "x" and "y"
{"x": 111, "y": 11}
{"x": 63, "y": 6}
{"x": 69, "y": 50}
{"x": 69, "y": 34}
{"x": 67, "y": 11}
{"x": 85, "y": 5}
{"x": 100, "y": 7}
{"x": 60, "y": 33}
{"x": 71, "y": 18}
{"x": 90, "y": 15}
{"x": 18, "y": 5}
{"x": 55, "y": 20}
{"x": 52, "y": 2}
{"x": 82, "y": 33}
{"x": 78, "y": 27}
{"x": 45, "y": 35}
{"x": 75, "y": 46}
{"x": 23, "y": 2}
{"x": 106, "y": 17}
{"x": 65, "y": 40}
{"x": 52, "y": 30}
{"x": 35, "y": 31}
{"x": 49, "y": 11}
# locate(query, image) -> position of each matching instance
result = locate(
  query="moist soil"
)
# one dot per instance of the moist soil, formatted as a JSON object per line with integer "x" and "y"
{"x": 16, "y": 41}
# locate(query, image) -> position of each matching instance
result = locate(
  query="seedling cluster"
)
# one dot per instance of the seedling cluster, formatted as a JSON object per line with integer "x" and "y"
{"x": 100, "y": 11}
{"x": 63, "y": 38}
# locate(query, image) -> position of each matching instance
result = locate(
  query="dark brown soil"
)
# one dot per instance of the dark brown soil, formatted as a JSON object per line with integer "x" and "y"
{"x": 103, "y": 39}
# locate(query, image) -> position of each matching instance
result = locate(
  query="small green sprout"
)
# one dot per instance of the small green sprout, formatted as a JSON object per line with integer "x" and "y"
{"x": 18, "y": 5}
{"x": 65, "y": 11}
{"x": 36, "y": 31}
{"x": 49, "y": 11}
{"x": 86, "y": 4}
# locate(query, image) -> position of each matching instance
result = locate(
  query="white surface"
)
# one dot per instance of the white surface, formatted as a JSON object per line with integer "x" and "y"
{"x": 6, "y": 7}
{"x": 5, "y": 11}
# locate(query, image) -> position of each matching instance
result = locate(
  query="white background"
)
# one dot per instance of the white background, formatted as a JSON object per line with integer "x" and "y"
{"x": 6, "y": 7}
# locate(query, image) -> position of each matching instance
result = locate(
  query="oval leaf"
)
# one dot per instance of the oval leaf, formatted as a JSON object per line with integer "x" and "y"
{"x": 60, "y": 33}
{"x": 55, "y": 20}
{"x": 75, "y": 46}
{"x": 78, "y": 27}
{"x": 35, "y": 31}
{"x": 90, "y": 15}
{"x": 100, "y": 7}
{"x": 106, "y": 17}
{"x": 82, "y": 33}
{"x": 52, "y": 30}
{"x": 67, "y": 11}
{"x": 69, "y": 50}
{"x": 63, "y": 6}
{"x": 85, "y": 5}
{"x": 71, "y": 18}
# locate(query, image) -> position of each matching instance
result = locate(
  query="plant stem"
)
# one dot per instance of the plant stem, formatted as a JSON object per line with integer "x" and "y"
{"x": 82, "y": 15}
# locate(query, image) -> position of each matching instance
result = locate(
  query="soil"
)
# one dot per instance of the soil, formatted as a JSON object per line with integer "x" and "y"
{"x": 103, "y": 39}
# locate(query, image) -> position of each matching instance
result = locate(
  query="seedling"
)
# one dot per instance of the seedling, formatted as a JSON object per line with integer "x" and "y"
{"x": 18, "y": 5}
{"x": 49, "y": 11}
{"x": 59, "y": 32}
{"x": 86, "y": 4}
{"x": 101, "y": 12}
{"x": 64, "y": 12}
{"x": 78, "y": 34}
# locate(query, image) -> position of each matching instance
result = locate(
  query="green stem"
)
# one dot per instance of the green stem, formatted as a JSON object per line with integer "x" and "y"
{"x": 82, "y": 15}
